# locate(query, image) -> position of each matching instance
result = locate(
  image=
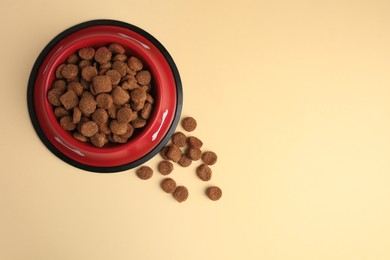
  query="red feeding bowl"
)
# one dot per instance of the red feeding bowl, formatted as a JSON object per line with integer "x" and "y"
{"x": 166, "y": 90}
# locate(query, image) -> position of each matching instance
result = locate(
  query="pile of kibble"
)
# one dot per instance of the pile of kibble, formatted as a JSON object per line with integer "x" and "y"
{"x": 173, "y": 153}
{"x": 102, "y": 95}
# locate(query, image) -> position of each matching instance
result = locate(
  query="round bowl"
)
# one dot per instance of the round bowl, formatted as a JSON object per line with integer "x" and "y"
{"x": 166, "y": 90}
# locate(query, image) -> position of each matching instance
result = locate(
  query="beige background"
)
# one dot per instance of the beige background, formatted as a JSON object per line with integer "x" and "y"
{"x": 294, "y": 96}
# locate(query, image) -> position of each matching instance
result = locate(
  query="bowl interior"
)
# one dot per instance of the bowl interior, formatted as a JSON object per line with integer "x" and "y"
{"x": 163, "y": 91}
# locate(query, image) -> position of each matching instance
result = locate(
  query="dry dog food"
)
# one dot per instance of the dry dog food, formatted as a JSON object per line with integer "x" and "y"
{"x": 168, "y": 185}
{"x": 194, "y": 153}
{"x": 144, "y": 172}
{"x": 214, "y": 193}
{"x": 179, "y": 139}
{"x": 180, "y": 193}
{"x": 194, "y": 142}
{"x": 165, "y": 167}
{"x": 209, "y": 158}
{"x": 189, "y": 124}
{"x": 174, "y": 153}
{"x": 164, "y": 152}
{"x": 102, "y": 95}
{"x": 184, "y": 161}
{"x": 204, "y": 172}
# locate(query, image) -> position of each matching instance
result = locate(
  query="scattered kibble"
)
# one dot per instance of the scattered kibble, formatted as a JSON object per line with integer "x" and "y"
{"x": 144, "y": 172}
{"x": 168, "y": 185}
{"x": 204, "y": 172}
{"x": 165, "y": 167}
{"x": 180, "y": 193}
{"x": 214, "y": 193}
{"x": 179, "y": 139}
{"x": 189, "y": 124}
{"x": 209, "y": 158}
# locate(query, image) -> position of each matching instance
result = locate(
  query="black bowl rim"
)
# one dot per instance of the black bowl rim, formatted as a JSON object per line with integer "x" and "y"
{"x": 59, "y": 154}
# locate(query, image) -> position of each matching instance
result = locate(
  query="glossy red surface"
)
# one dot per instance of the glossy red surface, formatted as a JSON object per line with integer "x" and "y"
{"x": 164, "y": 92}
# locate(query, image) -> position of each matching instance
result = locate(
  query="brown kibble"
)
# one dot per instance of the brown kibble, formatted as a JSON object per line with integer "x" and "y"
{"x": 86, "y": 95}
{"x": 214, "y": 193}
{"x": 120, "y": 57}
{"x": 88, "y": 72}
{"x": 174, "y": 153}
{"x": 149, "y": 98}
{"x": 76, "y": 115}
{"x": 132, "y": 83}
{"x": 163, "y": 152}
{"x": 118, "y": 128}
{"x": 60, "y": 112}
{"x": 120, "y": 96}
{"x": 209, "y": 157}
{"x": 119, "y": 139}
{"x": 168, "y": 185}
{"x": 130, "y": 71}
{"x": 106, "y": 66}
{"x": 165, "y": 167}
{"x": 114, "y": 75}
{"x": 89, "y": 128}
{"x": 84, "y": 63}
{"x": 112, "y": 111}
{"x": 143, "y": 77}
{"x": 144, "y": 172}
{"x": 138, "y": 122}
{"x": 58, "y": 73}
{"x": 189, "y": 124}
{"x": 101, "y": 83}
{"x": 146, "y": 111}
{"x": 76, "y": 87}
{"x": 69, "y": 100}
{"x": 124, "y": 115}
{"x": 119, "y": 66}
{"x": 194, "y": 142}
{"x": 70, "y": 71}
{"x": 180, "y": 193}
{"x": 103, "y": 55}
{"x": 79, "y": 137}
{"x": 73, "y": 59}
{"x": 67, "y": 123}
{"x": 104, "y": 128}
{"x": 85, "y": 84}
{"x": 138, "y": 106}
{"x": 179, "y": 139}
{"x": 83, "y": 120}
{"x": 98, "y": 140}
{"x": 138, "y": 95}
{"x": 184, "y": 161}
{"x": 53, "y": 96}
{"x": 204, "y": 172}
{"x": 87, "y": 53}
{"x": 194, "y": 153}
{"x": 129, "y": 132}
{"x": 87, "y": 104}
{"x": 104, "y": 100}
{"x": 116, "y": 48}
{"x": 60, "y": 85}
{"x": 135, "y": 63}
{"x": 100, "y": 116}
